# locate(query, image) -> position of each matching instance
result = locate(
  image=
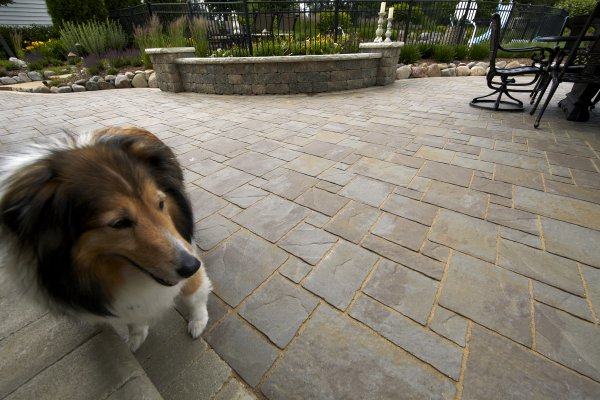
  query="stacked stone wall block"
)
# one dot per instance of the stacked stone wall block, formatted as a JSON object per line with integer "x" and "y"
{"x": 224, "y": 88}
{"x": 236, "y": 79}
{"x": 259, "y": 89}
{"x": 335, "y": 86}
{"x": 242, "y": 89}
{"x": 278, "y": 88}
{"x": 320, "y": 87}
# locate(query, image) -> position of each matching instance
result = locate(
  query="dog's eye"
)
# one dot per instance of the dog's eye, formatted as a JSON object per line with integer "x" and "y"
{"x": 161, "y": 204}
{"x": 121, "y": 223}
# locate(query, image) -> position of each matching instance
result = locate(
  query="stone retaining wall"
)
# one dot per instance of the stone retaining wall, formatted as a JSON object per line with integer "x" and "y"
{"x": 178, "y": 70}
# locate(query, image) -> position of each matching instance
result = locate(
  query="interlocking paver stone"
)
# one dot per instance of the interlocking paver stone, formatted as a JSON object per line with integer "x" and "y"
{"x": 234, "y": 390}
{"x": 450, "y": 325}
{"x": 571, "y": 161}
{"x": 295, "y": 269}
{"x": 337, "y": 176}
{"x": 570, "y": 190}
{"x": 326, "y": 150}
{"x": 491, "y": 296}
{"x": 524, "y": 375}
{"x": 224, "y": 180}
{"x": 401, "y": 231}
{"x": 514, "y": 160}
{"x": 558, "y": 207}
{"x": 278, "y": 309}
{"x": 272, "y": 217}
{"x": 586, "y": 179}
{"x": 571, "y": 241}
{"x": 238, "y": 265}
{"x": 242, "y": 348}
{"x": 353, "y": 221}
{"x": 245, "y": 195}
{"x": 410, "y": 209}
{"x": 568, "y": 340}
{"x": 467, "y": 201}
{"x": 223, "y": 146}
{"x": 493, "y": 187}
{"x": 447, "y": 173}
{"x": 403, "y": 289}
{"x": 592, "y": 277}
{"x": 512, "y": 218}
{"x": 467, "y": 234}
{"x": 26, "y": 353}
{"x": 432, "y": 153}
{"x": 562, "y": 300}
{"x": 383, "y": 171}
{"x": 309, "y": 165}
{"x": 404, "y": 256}
{"x": 541, "y": 266}
{"x": 205, "y": 203}
{"x": 373, "y": 368}
{"x": 322, "y": 201}
{"x": 255, "y": 163}
{"x": 519, "y": 176}
{"x": 202, "y": 379}
{"x": 341, "y": 274}
{"x": 368, "y": 191}
{"x": 211, "y": 230}
{"x": 308, "y": 243}
{"x": 290, "y": 184}
{"x": 412, "y": 337}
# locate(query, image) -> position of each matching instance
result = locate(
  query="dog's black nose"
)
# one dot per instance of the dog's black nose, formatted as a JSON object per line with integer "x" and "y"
{"x": 188, "y": 265}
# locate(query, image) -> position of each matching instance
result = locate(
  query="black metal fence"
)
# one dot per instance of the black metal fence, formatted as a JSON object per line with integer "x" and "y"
{"x": 254, "y": 27}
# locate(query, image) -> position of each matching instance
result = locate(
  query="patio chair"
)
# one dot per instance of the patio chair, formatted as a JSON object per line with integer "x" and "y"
{"x": 578, "y": 64}
{"x": 508, "y": 83}
{"x": 572, "y": 26}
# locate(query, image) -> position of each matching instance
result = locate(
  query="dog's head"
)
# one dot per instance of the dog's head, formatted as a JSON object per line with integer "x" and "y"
{"x": 92, "y": 212}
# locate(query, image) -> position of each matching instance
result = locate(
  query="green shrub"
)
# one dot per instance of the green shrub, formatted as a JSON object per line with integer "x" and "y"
{"x": 479, "y": 51}
{"x": 112, "y": 71}
{"x": 409, "y": 54}
{"x": 443, "y": 53}
{"x": 94, "y": 37}
{"x": 461, "y": 51}
{"x": 577, "y": 7}
{"x": 53, "y": 49}
{"x": 6, "y": 66}
{"x": 153, "y": 35}
{"x": 76, "y": 11}
{"x": 426, "y": 49}
{"x": 326, "y": 21}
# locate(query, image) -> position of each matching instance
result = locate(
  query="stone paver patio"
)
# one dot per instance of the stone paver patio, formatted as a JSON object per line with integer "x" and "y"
{"x": 384, "y": 243}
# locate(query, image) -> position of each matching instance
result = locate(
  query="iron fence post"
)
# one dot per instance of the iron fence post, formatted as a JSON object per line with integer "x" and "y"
{"x": 410, "y": 4}
{"x": 149, "y": 6}
{"x": 336, "y": 19}
{"x": 190, "y": 12}
{"x": 508, "y": 21}
{"x": 248, "y": 34}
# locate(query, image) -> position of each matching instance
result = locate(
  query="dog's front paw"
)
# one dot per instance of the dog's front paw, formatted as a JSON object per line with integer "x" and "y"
{"x": 196, "y": 326}
{"x": 137, "y": 336}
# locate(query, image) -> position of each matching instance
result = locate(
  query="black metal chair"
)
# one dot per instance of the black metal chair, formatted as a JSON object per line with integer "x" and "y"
{"x": 575, "y": 62}
{"x": 507, "y": 76}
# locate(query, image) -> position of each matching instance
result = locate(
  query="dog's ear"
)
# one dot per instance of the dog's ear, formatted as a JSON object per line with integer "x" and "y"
{"x": 162, "y": 165}
{"x": 37, "y": 209}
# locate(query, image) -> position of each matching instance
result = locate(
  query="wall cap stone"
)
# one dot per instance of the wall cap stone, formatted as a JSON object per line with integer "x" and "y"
{"x": 169, "y": 50}
{"x": 381, "y": 45}
{"x": 276, "y": 59}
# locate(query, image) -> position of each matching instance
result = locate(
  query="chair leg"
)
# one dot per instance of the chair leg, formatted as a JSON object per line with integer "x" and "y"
{"x": 541, "y": 95}
{"x": 548, "y": 98}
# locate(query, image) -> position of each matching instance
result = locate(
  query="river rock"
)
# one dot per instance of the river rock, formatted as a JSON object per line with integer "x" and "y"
{"x": 478, "y": 71}
{"x": 449, "y": 72}
{"x": 17, "y": 62}
{"x": 434, "y": 70}
{"x": 122, "y": 82}
{"x": 78, "y": 88}
{"x": 41, "y": 89}
{"x": 403, "y": 72}
{"x": 139, "y": 81}
{"x": 513, "y": 64}
{"x": 463, "y": 70}
{"x": 48, "y": 74}
{"x": 24, "y": 77}
{"x": 152, "y": 82}
{"x": 500, "y": 64}
{"x": 7, "y": 80}
{"x": 65, "y": 89}
{"x": 91, "y": 85}
{"x": 418, "y": 72}
{"x": 35, "y": 76}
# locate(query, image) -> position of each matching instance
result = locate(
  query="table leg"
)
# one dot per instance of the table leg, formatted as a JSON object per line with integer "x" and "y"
{"x": 577, "y": 103}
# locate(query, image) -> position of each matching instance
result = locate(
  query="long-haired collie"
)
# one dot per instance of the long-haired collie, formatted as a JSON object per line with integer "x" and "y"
{"x": 99, "y": 226}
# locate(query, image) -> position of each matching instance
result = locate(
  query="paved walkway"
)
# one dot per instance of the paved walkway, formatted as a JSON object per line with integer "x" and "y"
{"x": 379, "y": 244}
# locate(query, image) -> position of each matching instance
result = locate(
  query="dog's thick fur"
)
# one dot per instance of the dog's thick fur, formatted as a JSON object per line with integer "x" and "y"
{"x": 99, "y": 226}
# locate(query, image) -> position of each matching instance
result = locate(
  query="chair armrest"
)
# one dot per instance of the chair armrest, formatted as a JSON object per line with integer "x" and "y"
{"x": 527, "y": 49}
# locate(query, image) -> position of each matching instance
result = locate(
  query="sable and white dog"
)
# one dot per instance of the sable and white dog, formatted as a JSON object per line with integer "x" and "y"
{"x": 99, "y": 226}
